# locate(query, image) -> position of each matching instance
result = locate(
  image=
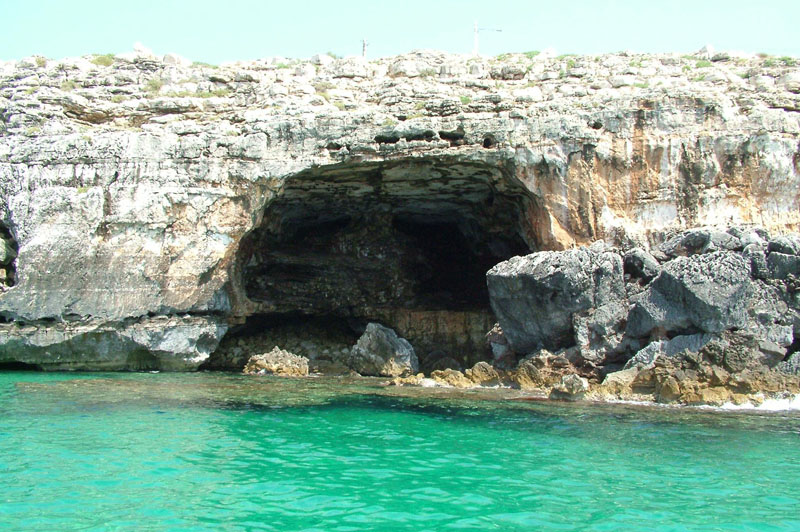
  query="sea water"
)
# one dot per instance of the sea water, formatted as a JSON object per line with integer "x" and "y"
{"x": 227, "y": 452}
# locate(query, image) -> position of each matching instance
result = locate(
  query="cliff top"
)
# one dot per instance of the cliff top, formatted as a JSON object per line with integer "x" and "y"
{"x": 139, "y": 90}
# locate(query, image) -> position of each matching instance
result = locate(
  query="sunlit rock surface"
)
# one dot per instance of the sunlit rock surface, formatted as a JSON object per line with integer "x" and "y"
{"x": 153, "y": 189}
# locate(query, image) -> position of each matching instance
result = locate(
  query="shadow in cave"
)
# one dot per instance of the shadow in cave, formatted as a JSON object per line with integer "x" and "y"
{"x": 406, "y": 244}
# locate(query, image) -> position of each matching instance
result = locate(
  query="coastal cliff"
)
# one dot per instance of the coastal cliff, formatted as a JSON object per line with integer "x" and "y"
{"x": 150, "y": 207}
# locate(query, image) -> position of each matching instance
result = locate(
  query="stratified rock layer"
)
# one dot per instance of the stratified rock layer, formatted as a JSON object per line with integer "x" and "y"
{"x": 367, "y": 190}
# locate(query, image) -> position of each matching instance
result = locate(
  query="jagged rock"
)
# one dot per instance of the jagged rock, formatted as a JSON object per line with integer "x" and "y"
{"x": 599, "y": 332}
{"x": 483, "y": 374}
{"x": 700, "y": 241}
{"x": 166, "y": 344}
{"x": 541, "y": 370}
{"x": 708, "y": 292}
{"x": 452, "y": 377}
{"x": 640, "y": 264}
{"x": 277, "y": 362}
{"x": 155, "y": 209}
{"x": 408, "y": 380}
{"x": 535, "y": 297}
{"x": 380, "y": 352}
{"x": 571, "y": 388}
{"x": 497, "y": 342}
{"x": 780, "y": 265}
{"x": 650, "y": 353}
{"x": 755, "y": 253}
{"x": 791, "y": 365}
{"x": 786, "y": 244}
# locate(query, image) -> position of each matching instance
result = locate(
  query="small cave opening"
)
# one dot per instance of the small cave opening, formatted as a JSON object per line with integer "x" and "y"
{"x": 406, "y": 244}
{"x": 319, "y": 337}
{"x": 14, "y": 365}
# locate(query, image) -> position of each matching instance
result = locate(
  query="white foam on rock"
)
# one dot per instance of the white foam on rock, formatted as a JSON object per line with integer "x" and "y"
{"x": 769, "y": 405}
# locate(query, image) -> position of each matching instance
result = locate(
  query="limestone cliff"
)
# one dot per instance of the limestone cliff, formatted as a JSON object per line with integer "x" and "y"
{"x": 148, "y": 204}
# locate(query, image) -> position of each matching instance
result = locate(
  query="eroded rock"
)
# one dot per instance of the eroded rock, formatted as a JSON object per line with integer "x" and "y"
{"x": 380, "y": 352}
{"x": 277, "y": 362}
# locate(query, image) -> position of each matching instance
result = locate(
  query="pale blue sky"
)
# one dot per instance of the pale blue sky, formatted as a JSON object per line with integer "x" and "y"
{"x": 226, "y": 30}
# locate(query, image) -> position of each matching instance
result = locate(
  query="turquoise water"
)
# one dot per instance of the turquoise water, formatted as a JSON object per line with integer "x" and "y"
{"x": 223, "y": 452}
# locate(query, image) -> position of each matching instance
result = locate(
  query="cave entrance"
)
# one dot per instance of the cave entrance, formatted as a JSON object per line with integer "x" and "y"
{"x": 405, "y": 243}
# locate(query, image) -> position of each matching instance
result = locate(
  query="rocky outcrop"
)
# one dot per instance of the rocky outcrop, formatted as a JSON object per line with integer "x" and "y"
{"x": 713, "y": 295}
{"x": 146, "y": 344}
{"x": 141, "y": 188}
{"x": 380, "y": 352}
{"x": 277, "y": 362}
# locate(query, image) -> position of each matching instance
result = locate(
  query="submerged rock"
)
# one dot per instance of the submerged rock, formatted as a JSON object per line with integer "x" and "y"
{"x": 380, "y": 352}
{"x": 277, "y": 362}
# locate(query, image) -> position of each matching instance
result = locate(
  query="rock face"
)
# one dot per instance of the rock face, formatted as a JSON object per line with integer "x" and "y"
{"x": 709, "y": 295}
{"x": 379, "y": 352}
{"x": 150, "y": 189}
{"x": 538, "y": 298}
{"x": 150, "y": 344}
{"x": 277, "y": 362}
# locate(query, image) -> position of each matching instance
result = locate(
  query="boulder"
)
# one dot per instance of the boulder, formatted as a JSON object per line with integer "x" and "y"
{"x": 786, "y": 244}
{"x": 380, "y": 352}
{"x": 640, "y": 264}
{"x": 277, "y": 362}
{"x": 535, "y": 297}
{"x": 700, "y": 241}
{"x": 452, "y": 377}
{"x": 541, "y": 370}
{"x": 483, "y": 374}
{"x": 571, "y": 388}
{"x": 707, "y": 292}
{"x": 782, "y": 265}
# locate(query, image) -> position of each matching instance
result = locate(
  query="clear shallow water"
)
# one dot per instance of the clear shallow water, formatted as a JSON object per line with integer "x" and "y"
{"x": 222, "y": 452}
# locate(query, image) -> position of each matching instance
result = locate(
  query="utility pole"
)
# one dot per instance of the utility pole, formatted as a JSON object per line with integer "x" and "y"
{"x": 475, "y": 30}
{"x": 364, "y": 44}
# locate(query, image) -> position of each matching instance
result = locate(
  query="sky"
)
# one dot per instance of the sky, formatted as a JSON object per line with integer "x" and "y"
{"x": 229, "y": 30}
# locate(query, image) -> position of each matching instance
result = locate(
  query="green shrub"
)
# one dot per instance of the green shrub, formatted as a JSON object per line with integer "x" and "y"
{"x": 427, "y": 73}
{"x": 335, "y": 56}
{"x": 703, "y": 63}
{"x": 41, "y": 61}
{"x": 788, "y": 61}
{"x": 154, "y": 85}
{"x": 642, "y": 85}
{"x": 503, "y": 57}
{"x": 103, "y": 60}
{"x": 389, "y": 122}
{"x": 283, "y": 65}
{"x": 68, "y": 85}
{"x": 770, "y": 62}
{"x": 323, "y": 86}
{"x": 339, "y": 105}
{"x": 117, "y": 98}
{"x": 532, "y": 54}
{"x": 202, "y": 64}
{"x": 564, "y": 56}
{"x": 466, "y": 99}
{"x": 571, "y": 63}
